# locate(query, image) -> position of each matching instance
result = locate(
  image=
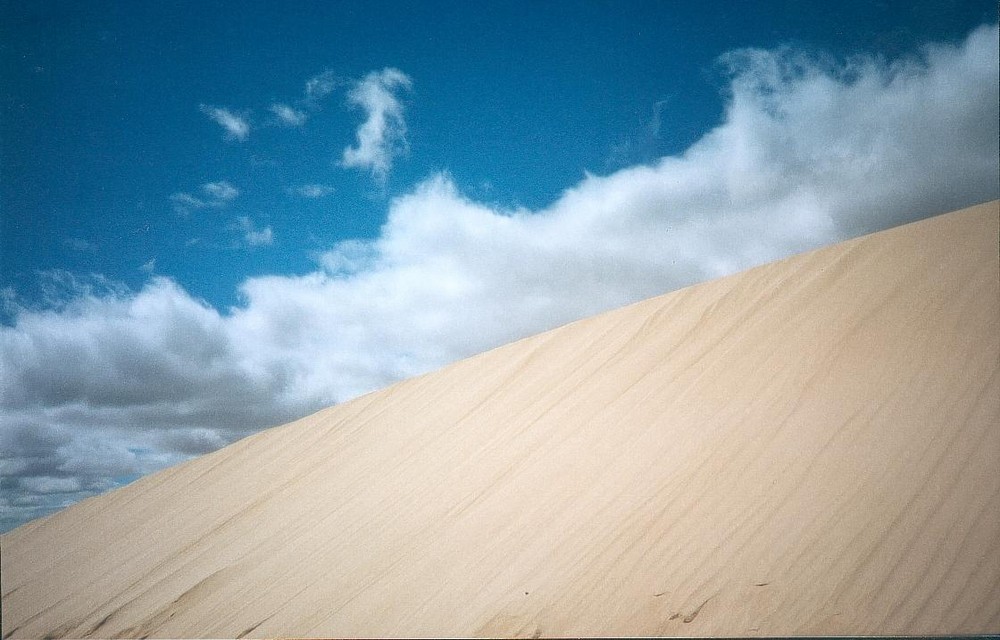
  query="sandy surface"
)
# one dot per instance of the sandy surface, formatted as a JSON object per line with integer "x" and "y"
{"x": 807, "y": 447}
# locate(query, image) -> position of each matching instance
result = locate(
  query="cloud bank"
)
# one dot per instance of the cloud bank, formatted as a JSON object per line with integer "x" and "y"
{"x": 109, "y": 384}
{"x": 382, "y": 136}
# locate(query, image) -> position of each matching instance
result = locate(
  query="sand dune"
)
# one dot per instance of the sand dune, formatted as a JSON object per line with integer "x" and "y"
{"x": 807, "y": 447}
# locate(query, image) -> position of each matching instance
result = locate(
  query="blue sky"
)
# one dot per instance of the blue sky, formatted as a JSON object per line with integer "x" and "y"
{"x": 219, "y": 216}
{"x": 102, "y": 120}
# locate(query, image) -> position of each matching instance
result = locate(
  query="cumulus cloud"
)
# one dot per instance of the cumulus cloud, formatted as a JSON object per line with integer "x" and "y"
{"x": 94, "y": 428}
{"x": 382, "y": 136}
{"x": 112, "y": 383}
{"x": 289, "y": 116}
{"x": 312, "y": 191}
{"x": 236, "y": 126}
{"x": 253, "y": 236}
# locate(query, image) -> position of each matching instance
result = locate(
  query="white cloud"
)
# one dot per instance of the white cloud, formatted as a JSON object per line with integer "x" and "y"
{"x": 382, "y": 136}
{"x": 237, "y": 126}
{"x": 220, "y": 191}
{"x": 217, "y": 194}
{"x": 289, "y": 116}
{"x": 184, "y": 203}
{"x": 253, "y": 236}
{"x": 260, "y": 237}
{"x": 112, "y": 383}
{"x": 148, "y": 266}
{"x": 312, "y": 191}
{"x": 321, "y": 85}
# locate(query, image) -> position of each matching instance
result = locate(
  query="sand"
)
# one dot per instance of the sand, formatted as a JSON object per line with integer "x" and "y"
{"x": 808, "y": 447}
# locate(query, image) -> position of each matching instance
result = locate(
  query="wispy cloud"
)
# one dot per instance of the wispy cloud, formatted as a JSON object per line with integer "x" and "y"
{"x": 289, "y": 116}
{"x": 148, "y": 266}
{"x": 321, "y": 85}
{"x": 640, "y": 145}
{"x": 236, "y": 126}
{"x": 184, "y": 203}
{"x": 312, "y": 191}
{"x": 214, "y": 194}
{"x": 253, "y": 236}
{"x": 79, "y": 244}
{"x": 112, "y": 382}
{"x": 220, "y": 191}
{"x": 382, "y": 136}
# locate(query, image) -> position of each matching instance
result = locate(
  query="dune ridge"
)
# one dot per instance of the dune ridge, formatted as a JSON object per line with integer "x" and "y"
{"x": 807, "y": 447}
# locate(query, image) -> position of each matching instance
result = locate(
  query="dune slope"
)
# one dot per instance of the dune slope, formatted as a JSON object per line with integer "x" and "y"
{"x": 807, "y": 447}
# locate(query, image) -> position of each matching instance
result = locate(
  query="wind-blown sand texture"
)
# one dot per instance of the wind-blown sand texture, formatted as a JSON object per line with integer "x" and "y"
{"x": 808, "y": 447}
